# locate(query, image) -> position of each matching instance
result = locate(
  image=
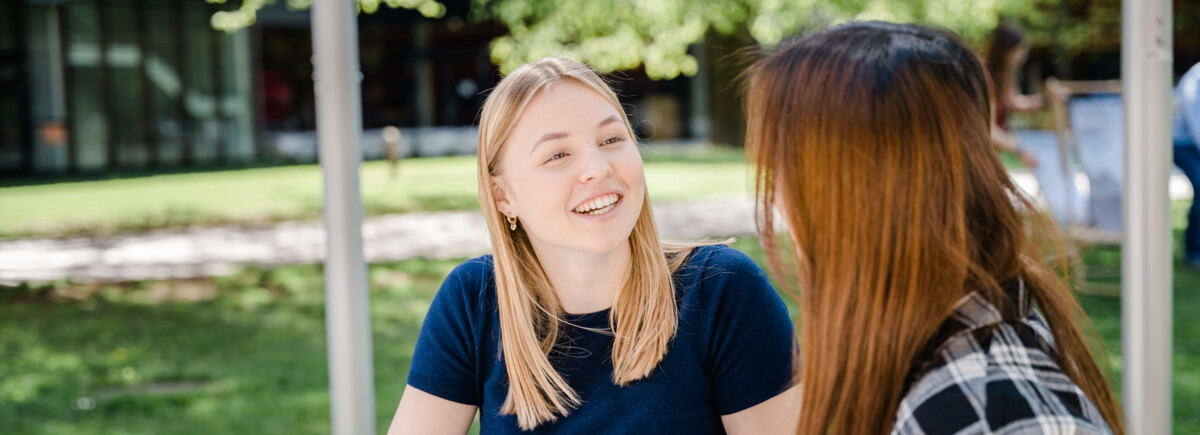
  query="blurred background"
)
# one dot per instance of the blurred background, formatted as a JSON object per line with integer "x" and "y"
{"x": 160, "y": 242}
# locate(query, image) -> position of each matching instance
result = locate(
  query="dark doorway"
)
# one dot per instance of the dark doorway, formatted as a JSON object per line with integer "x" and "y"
{"x": 16, "y": 156}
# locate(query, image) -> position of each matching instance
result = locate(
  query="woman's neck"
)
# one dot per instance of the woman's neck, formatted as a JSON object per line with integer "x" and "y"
{"x": 585, "y": 282}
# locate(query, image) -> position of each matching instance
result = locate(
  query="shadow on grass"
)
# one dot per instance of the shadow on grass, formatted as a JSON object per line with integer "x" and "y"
{"x": 248, "y": 358}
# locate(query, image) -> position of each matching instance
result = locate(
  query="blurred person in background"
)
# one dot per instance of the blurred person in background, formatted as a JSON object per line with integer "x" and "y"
{"x": 1007, "y": 50}
{"x": 582, "y": 320}
{"x": 917, "y": 283}
{"x": 1186, "y": 134}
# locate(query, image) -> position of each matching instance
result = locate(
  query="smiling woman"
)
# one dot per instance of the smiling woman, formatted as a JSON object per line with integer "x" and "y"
{"x": 583, "y": 320}
{"x": 569, "y": 174}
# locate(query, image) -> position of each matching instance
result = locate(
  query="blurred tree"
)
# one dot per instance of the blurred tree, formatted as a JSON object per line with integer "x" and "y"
{"x": 662, "y": 36}
{"x": 622, "y": 34}
{"x": 245, "y": 14}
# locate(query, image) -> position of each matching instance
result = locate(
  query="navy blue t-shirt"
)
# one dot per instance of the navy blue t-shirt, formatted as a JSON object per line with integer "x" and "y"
{"x": 733, "y": 350}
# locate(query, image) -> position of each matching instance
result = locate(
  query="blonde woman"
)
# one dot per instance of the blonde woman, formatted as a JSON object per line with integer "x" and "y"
{"x": 582, "y": 321}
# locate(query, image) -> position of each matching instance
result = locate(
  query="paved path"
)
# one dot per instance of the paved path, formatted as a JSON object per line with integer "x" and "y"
{"x": 217, "y": 251}
{"x": 198, "y": 252}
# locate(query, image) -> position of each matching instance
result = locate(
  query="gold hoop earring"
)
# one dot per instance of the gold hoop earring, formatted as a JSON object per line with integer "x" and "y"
{"x": 512, "y": 223}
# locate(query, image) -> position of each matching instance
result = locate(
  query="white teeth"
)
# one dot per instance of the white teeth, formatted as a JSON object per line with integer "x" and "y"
{"x": 599, "y": 205}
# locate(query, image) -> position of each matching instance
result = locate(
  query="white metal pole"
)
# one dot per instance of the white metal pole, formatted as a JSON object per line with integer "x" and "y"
{"x": 1146, "y": 249}
{"x": 339, "y": 129}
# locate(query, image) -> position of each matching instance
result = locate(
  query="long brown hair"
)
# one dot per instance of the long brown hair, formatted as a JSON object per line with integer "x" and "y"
{"x": 871, "y": 140}
{"x": 644, "y": 315}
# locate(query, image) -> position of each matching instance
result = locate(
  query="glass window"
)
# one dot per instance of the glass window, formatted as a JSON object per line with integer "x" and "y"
{"x": 11, "y": 154}
{"x": 89, "y": 123}
{"x": 461, "y": 70}
{"x": 46, "y": 87}
{"x": 237, "y": 108}
{"x": 286, "y": 77}
{"x": 388, "y": 60}
{"x": 8, "y": 41}
{"x": 164, "y": 82}
{"x": 10, "y": 125}
{"x": 125, "y": 84}
{"x": 199, "y": 99}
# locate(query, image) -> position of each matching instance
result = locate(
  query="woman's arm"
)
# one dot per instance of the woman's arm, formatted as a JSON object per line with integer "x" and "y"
{"x": 1018, "y": 102}
{"x": 753, "y": 348}
{"x": 443, "y": 361}
{"x": 1005, "y": 141}
{"x": 423, "y": 413}
{"x": 1024, "y": 103}
{"x": 779, "y": 414}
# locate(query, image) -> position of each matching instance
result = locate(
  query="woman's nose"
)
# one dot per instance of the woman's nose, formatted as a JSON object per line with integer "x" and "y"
{"x": 595, "y": 167}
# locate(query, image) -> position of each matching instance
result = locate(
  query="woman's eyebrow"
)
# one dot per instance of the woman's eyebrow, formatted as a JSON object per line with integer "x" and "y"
{"x": 546, "y": 138}
{"x": 560, "y": 135}
{"x": 609, "y": 120}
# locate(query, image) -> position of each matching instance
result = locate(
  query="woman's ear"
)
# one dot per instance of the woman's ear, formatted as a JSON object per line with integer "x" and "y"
{"x": 500, "y": 194}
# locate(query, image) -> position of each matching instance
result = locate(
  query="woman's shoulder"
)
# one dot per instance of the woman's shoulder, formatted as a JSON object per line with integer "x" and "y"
{"x": 999, "y": 377}
{"x": 476, "y": 269}
{"x": 720, "y": 257}
{"x": 471, "y": 280}
{"x": 716, "y": 266}
{"x": 713, "y": 273}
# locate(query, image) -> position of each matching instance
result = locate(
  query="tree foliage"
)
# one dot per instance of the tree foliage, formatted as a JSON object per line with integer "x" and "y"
{"x": 246, "y": 13}
{"x": 656, "y": 34}
{"x": 622, "y": 34}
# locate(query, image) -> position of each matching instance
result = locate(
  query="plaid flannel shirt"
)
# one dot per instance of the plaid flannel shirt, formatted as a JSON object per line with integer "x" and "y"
{"x": 994, "y": 372}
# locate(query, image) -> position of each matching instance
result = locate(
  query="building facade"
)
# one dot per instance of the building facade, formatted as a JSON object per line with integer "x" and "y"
{"x": 104, "y": 86}
{"x": 97, "y": 86}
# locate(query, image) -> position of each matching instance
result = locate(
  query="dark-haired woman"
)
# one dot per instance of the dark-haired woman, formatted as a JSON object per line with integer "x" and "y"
{"x": 923, "y": 306}
{"x": 1007, "y": 50}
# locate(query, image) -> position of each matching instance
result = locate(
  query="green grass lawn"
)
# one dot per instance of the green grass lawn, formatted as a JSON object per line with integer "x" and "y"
{"x": 263, "y": 195}
{"x": 246, "y": 353}
{"x": 249, "y": 358}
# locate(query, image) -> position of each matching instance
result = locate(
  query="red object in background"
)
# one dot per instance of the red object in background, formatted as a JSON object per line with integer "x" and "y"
{"x": 53, "y": 133}
{"x": 278, "y": 96}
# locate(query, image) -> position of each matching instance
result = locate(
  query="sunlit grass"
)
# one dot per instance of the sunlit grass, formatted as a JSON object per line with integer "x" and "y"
{"x": 264, "y": 195}
{"x": 250, "y": 358}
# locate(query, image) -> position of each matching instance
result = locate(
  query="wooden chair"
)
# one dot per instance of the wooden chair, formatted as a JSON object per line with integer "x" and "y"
{"x": 1081, "y": 238}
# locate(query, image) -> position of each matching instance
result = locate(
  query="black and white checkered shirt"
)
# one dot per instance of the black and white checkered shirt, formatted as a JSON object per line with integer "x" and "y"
{"x": 993, "y": 373}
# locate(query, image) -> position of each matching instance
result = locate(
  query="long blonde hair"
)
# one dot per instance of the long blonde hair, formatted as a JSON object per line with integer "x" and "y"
{"x": 644, "y": 314}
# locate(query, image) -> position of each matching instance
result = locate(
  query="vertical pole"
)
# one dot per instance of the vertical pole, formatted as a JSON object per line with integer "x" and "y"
{"x": 427, "y": 116}
{"x": 258, "y": 96}
{"x": 187, "y": 125}
{"x": 218, "y": 81}
{"x": 112, "y": 137}
{"x": 339, "y": 130}
{"x": 64, "y": 36}
{"x": 1146, "y": 248}
{"x": 149, "y": 118}
{"x": 56, "y": 65}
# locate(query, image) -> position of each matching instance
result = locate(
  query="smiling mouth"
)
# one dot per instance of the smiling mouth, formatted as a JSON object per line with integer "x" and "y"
{"x": 599, "y": 205}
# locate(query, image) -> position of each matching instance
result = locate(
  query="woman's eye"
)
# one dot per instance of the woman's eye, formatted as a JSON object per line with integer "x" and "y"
{"x": 556, "y": 156}
{"x": 611, "y": 140}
